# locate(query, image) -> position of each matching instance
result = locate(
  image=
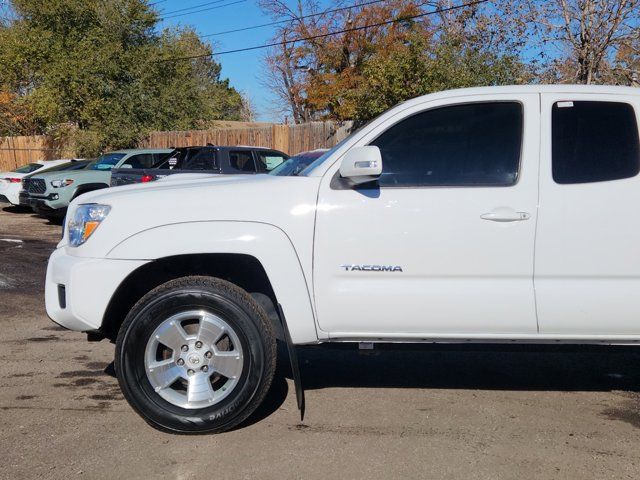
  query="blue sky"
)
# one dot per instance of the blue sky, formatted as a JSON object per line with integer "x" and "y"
{"x": 243, "y": 69}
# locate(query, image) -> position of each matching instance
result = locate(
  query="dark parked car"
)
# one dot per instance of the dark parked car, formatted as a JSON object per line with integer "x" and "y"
{"x": 208, "y": 159}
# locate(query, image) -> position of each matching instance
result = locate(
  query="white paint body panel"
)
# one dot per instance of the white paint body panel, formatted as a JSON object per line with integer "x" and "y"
{"x": 269, "y": 218}
{"x": 587, "y": 272}
{"x": 461, "y": 274}
{"x": 463, "y": 278}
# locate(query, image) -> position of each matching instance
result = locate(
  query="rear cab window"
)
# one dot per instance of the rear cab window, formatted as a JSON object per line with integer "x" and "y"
{"x": 594, "y": 141}
{"x": 242, "y": 160}
{"x": 205, "y": 159}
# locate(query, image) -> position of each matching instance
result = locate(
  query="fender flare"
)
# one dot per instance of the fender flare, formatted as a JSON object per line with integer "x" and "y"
{"x": 267, "y": 243}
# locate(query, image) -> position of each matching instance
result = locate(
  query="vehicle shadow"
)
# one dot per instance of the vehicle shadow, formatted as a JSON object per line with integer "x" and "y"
{"x": 52, "y": 220}
{"x": 472, "y": 366}
{"x": 16, "y": 209}
{"x": 468, "y": 366}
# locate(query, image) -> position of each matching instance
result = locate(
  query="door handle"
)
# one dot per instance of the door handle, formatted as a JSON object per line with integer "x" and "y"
{"x": 505, "y": 215}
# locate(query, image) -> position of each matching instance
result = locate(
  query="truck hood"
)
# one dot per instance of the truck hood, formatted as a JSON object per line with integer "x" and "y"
{"x": 78, "y": 175}
{"x": 287, "y": 203}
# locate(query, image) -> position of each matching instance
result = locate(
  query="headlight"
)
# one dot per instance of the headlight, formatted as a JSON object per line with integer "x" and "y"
{"x": 85, "y": 220}
{"x": 61, "y": 183}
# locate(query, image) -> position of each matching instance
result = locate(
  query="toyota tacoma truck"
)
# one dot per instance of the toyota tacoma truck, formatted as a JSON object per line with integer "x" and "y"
{"x": 498, "y": 214}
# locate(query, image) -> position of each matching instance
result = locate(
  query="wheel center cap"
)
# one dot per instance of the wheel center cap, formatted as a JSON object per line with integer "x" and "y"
{"x": 194, "y": 359}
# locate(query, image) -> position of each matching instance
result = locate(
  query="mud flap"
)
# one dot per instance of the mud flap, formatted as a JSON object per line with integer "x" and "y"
{"x": 295, "y": 368}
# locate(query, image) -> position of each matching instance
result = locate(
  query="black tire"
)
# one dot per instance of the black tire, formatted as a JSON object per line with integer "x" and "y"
{"x": 240, "y": 311}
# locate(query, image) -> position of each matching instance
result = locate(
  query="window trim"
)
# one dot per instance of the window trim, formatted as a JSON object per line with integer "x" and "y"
{"x": 552, "y": 104}
{"x": 339, "y": 183}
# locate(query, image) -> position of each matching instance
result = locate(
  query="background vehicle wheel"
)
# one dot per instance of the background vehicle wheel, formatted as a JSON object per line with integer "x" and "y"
{"x": 195, "y": 355}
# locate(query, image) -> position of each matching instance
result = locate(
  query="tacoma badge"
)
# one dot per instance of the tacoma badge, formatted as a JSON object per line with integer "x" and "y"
{"x": 371, "y": 268}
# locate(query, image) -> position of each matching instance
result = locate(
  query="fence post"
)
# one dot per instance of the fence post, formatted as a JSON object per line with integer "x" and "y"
{"x": 280, "y": 135}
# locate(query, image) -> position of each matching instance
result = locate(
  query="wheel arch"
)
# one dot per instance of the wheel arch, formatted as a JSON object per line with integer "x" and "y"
{"x": 242, "y": 270}
{"x": 88, "y": 187}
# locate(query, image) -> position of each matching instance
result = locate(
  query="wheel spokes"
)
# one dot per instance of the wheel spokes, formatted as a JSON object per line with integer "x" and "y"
{"x": 199, "y": 352}
{"x": 209, "y": 331}
{"x": 228, "y": 364}
{"x": 163, "y": 374}
{"x": 200, "y": 389}
{"x": 172, "y": 335}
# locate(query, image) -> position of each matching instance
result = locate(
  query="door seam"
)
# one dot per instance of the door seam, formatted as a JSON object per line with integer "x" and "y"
{"x": 535, "y": 232}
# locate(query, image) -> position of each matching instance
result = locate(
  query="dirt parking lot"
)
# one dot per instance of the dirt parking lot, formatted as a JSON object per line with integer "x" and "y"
{"x": 472, "y": 412}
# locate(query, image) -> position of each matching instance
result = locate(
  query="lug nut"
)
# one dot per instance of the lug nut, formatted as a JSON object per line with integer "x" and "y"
{"x": 190, "y": 372}
{"x": 184, "y": 348}
{"x": 205, "y": 368}
{"x": 208, "y": 355}
{"x": 198, "y": 344}
{"x": 180, "y": 362}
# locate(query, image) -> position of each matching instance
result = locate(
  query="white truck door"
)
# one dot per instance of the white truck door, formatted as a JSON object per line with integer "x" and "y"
{"x": 443, "y": 243}
{"x": 587, "y": 268}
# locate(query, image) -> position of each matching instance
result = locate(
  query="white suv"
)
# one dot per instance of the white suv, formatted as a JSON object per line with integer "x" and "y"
{"x": 488, "y": 214}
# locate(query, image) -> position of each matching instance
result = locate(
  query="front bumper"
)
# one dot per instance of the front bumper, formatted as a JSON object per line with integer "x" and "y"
{"x": 47, "y": 203}
{"x": 23, "y": 199}
{"x": 78, "y": 290}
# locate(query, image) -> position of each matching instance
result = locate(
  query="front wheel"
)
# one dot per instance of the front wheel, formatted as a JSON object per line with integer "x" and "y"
{"x": 195, "y": 355}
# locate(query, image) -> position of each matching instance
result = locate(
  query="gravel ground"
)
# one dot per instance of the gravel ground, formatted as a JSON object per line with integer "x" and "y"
{"x": 472, "y": 412}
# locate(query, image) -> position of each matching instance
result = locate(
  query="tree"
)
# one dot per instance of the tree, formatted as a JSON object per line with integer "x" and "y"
{"x": 360, "y": 72}
{"x": 588, "y": 32}
{"x": 103, "y": 68}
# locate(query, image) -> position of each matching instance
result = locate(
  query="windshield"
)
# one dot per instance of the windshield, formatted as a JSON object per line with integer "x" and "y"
{"x": 28, "y": 168}
{"x": 106, "y": 161}
{"x": 322, "y": 158}
{"x": 295, "y": 165}
{"x": 68, "y": 166}
{"x": 328, "y": 153}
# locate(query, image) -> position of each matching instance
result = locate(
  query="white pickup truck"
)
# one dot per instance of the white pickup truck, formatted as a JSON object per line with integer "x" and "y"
{"x": 486, "y": 215}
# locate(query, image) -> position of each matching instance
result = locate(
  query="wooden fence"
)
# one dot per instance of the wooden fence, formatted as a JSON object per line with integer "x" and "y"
{"x": 16, "y": 151}
{"x": 291, "y": 139}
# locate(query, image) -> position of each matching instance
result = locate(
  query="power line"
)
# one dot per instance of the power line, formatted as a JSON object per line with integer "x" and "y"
{"x": 292, "y": 19}
{"x": 192, "y": 7}
{"x": 202, "y": 9}
{"x": 324, "y": 35}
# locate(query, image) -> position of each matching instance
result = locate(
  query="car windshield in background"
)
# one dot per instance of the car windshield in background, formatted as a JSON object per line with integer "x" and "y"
{"x": 320, "y": 160}
{"x": 28, "y": 168}
{"x": 106, "y": 161}
{"x": 295, "y": 165}
{"x": 75, "y": 165}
